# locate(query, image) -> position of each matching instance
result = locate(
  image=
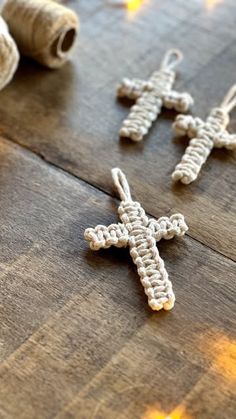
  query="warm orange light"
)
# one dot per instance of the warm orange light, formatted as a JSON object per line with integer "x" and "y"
{"x": 178, "y": 413}
{"x": 133, "y": 5}
{"x": 211, "y": 4}
{"x": 225, "y": 357}
{"x": 220, "y": 350}
{"x": 154, "y": 414}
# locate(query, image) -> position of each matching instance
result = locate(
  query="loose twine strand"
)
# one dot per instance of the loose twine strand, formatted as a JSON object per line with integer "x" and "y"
{"x": 121, "y": 184}
{"x": 229, "y": 101}
{"x": 171, "y": 59}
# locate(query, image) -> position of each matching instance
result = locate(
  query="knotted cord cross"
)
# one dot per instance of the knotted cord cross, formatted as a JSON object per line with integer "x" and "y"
{"x": 204, "y": 137}
{"x": 151, "y": 95}
{"x": 140, "y": 233}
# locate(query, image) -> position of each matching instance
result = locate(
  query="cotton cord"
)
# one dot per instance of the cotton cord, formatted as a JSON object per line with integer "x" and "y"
{"x": 150, "y": 96}
{"x": 121, "y": 184}
{"x": 171, "y": 59}
{"x": 229, "y": 101}
{"x": 205, "y": 136}
{"x": 140, "y": 233}
{"x": 42, "y": 29}
{"x": 9, "y": 55}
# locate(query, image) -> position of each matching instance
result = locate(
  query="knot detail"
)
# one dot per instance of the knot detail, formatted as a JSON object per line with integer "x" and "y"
{"x": 131, "y": 213}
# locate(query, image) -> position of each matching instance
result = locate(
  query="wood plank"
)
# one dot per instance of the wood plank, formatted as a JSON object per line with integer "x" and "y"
{"x": 77, "y": 337}
{"x": 71, "y": 117}
{"x": 113, "y": 394}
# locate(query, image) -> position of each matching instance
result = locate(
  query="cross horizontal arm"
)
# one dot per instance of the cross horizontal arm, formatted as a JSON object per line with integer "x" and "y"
{"x": 102, "y": 237}
{"x": 224, "y": 139}
{"x": 132, "y": 89}
{"x": 187, "y": 125}
{"x": 181, "y": 102}
{"x": 167, "y": 228}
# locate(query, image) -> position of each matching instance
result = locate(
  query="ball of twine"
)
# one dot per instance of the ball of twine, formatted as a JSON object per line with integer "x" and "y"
{"x": 9, "y": 55}
{"x": 43, "y": 29}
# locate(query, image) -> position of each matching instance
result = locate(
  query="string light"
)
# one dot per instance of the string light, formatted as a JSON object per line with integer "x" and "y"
{"x": 177, "y": 413}
{"x": 211, "y": 4}
{"x": 130, "y": 5}
{"x": 133, "y": 5}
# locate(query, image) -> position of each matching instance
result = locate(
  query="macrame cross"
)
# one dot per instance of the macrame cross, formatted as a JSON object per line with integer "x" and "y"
{"x": 150, "y": 96}
{"x": 141, "y": 234}
{"x": 205, "y": 136}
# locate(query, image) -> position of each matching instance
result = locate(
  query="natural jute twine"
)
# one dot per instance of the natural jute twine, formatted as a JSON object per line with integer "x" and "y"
{"x": 9, "y": 56}
{"x": 42, "y": 29}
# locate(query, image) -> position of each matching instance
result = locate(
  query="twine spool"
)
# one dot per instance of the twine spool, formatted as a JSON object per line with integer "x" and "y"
{"x": 9, "y": 55}
{"x": 43, "y": 29}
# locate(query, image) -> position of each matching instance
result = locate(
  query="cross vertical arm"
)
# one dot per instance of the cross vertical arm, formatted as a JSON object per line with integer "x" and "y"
{"x": 193, "y": 159}
{"x": 151, "y": 269}
{"x": 141, "y": 117}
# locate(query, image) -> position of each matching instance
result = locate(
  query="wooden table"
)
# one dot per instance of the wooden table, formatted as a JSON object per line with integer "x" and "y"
{"x": 78, "y": 340}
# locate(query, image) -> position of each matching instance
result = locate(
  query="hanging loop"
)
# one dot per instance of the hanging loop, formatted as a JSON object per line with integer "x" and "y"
{"x": 121, "y": 184}
{"x": 171, "y": 59}
{"x": 229, "y": 101}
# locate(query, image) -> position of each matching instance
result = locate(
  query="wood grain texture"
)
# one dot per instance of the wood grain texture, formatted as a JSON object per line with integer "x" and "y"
{"x": 71, "y": 116}
{"x": 77, "y": 337}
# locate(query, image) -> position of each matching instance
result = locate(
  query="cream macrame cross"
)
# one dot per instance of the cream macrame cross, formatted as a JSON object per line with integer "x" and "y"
{"x": 141, "y": 234}
{"x": 150, "y": 96}
{"x": 205, "y": 136}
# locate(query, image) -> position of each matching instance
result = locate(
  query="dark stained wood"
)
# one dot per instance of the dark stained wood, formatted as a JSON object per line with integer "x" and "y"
{"x": 71, "y": 116}
{"x": 77, "y": 337}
